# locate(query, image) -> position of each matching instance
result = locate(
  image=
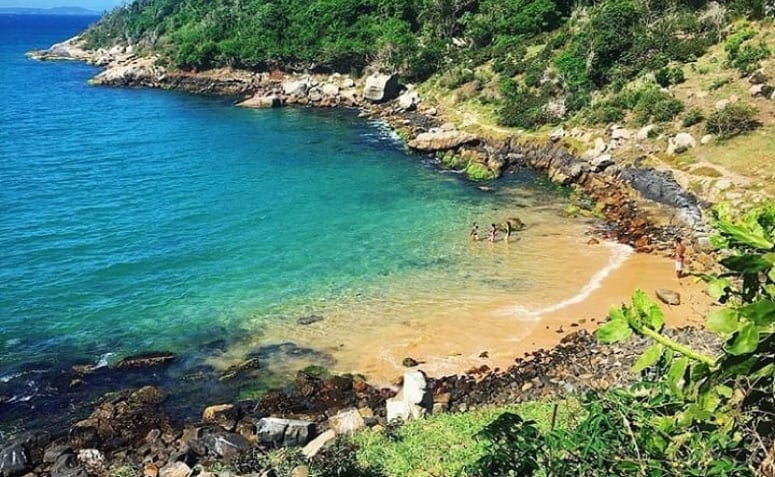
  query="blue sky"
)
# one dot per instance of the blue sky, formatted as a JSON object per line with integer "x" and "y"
{"x": 98, "y": 5}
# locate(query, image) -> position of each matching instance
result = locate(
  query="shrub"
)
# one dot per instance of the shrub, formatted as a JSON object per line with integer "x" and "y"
{"x": 605, "y": 112}
{"x": 749, "y": 56}
{"x": 692, "y": 117}
{"x": 654, "y": 104}
{"x": 669, "y": 76}
{"x": 734, "y": 119}
{"x": 522, "y": 108}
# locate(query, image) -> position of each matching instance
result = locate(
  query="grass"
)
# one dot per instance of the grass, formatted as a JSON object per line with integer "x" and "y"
{"x": 445, "y": 444}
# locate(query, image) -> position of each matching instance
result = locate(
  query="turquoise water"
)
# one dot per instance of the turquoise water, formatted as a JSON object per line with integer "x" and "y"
{"x": 139, "y": 220}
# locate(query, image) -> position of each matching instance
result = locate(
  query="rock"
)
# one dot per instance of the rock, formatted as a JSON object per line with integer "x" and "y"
{"x": 146, "y": 360}
{"x": 669, "y": 297}
{"x": 93, "y": 461}
{"x": 175, "y": 469}
{"x": 706, "y": 139}
{"x": 661, "y": 186}
{"x": 761, "y": 91}
{"x": 227, "y": 445}
{"x": 329, "y": 89}
{"x": 348, "y": 83}
{"x": 347, "y": 421}
{"x": 723, "y": 184}
{"x": 66, "y": 465}
{"x": 262, "y": 102}
{"x": 600, "y": 146}
{"x": 441, "y": 140}
{"x": 315, "y": 95}
{"x": 408, "y": 101}
{"x": 295, "y": 87}
{"x": 680, "y": 143}
{"x": 620, "y": 134}
{"x": 645, "y": 132}
{"x": 308, "y": 320}
{"x": 123, "y": 419}
{"x": 234, "y": 371}
{"x": 284, "y": 432}
{"x": 431, "y": 112}
{"x": 300, "y": 471}
{"x": 557, "y": 134}
{"x": 409, "y": 362}
{"x": 318, "y": 443}
{"x": 413, "y": 401}
{"x": 758, "y": 77}
{"x": 602, "y": 162}
{"x": 14, "y": 461}
{"x": 53, "y": 452}
{"x": 722, "y": 104}
{"x": 381, "y": 87}
{"x": 225, "y": 415}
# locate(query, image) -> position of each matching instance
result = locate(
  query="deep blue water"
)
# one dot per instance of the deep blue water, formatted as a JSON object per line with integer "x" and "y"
{"x": 136, "y": 220}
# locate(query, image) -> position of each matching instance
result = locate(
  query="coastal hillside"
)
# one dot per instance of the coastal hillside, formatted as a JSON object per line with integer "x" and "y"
{"x": 495, "y": 67}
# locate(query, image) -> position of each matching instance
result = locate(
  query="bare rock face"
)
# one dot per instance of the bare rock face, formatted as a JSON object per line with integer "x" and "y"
{"x": 441, "y": 140}
{"x": 381, "y": 87}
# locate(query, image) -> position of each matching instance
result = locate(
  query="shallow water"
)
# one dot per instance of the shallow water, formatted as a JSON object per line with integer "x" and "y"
{"x": 139, "y": 220}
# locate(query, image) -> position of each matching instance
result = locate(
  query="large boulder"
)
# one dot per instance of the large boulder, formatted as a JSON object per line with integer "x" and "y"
{"x": 296, "y": 87}
{"x": 262, "y": 102}
{"x": 347, "y": 421}
{"x": 284, "y": 432}
{"x": 225, "y": 415}
{"x": 681, "y": 142}
{"x": 381, "y": 87}
{"x": 14, "y": 461}
{"x": 413, "y": 401}
{"x": 441, "y": 140}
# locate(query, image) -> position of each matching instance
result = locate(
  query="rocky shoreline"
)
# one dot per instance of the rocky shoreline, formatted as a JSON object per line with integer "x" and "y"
{"x": 132, "y": 428}
{"x": 135, "y": 428}
{"x": 643, "y": 207}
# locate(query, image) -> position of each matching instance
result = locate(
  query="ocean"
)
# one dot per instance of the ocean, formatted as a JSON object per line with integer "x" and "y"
{"x": 136, "y": 220}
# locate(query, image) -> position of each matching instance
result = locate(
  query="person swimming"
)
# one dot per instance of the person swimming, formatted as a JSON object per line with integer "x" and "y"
{"x": 509, "y": 229}
{"x": 474, "y": 234}
{"x": 493, "y": 233}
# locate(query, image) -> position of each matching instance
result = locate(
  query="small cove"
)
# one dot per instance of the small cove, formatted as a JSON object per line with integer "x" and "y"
{"x": 136, "y": 220}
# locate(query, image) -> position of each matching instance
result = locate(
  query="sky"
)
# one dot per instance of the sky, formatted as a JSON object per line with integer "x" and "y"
{"x": 98, "y": 5}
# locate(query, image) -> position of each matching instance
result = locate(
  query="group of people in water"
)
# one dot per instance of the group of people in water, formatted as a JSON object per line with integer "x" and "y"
{"x": 492, "y": 235}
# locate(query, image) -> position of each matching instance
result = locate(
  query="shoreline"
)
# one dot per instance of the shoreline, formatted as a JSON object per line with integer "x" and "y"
{"x": 498, "y": 351}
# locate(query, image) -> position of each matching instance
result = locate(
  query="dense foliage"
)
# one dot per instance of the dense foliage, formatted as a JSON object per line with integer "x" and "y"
{"x": 551, "y": 58}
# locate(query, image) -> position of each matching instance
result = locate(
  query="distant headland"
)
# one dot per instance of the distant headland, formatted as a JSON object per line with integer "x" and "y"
{"x": 48, "y": 11}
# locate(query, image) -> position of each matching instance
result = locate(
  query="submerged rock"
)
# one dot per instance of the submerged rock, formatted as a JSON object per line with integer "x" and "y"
{"x": 146, "y": 360}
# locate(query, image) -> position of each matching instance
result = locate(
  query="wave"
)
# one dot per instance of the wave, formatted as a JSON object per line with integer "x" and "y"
{"x": 619, "y": 254}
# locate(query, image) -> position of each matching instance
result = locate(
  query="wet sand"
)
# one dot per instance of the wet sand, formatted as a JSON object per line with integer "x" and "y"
{"x": 457, "y": 337}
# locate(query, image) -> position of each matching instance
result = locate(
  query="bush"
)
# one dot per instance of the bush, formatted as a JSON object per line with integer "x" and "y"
{"x": 653, "y": 104}
{"x": 749, "y": 56}
{"x": 692, "y": 117}
{"x": 605, "y": 112}
{"x": 734, "y": 119}
{"x": 669, "y": 76}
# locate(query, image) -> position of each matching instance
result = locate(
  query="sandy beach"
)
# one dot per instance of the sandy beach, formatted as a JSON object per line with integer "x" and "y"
{"x": 455, "y": 338}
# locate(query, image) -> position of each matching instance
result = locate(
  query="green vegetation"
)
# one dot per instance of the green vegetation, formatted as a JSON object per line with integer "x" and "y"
{"x": 732, "y": 120}
{"x": 479, "y": 172}
{"x": 546, "y": 60}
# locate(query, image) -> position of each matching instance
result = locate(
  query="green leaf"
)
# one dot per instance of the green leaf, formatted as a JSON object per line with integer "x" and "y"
{"x": 767, "y": 370}
{"x": 723, "y": 321}
{"x": 748, "y": 263}
{"x": 745, "y": 341}
{"x": 743, "y": 235}
{"x": 649, "y": 358}
{"x": 718, "y": 287}
{"x": 649, "y": 312}
{"x": 616, "y": 313}
{"x": 723, "y": 391}
{"x": 675, "y": 375}
{"x": 762, "y": 312}
{"x": 613, "y": 331}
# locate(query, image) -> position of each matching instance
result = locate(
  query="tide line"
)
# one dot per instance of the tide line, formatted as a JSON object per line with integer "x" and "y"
{"x": 619, "y": 254}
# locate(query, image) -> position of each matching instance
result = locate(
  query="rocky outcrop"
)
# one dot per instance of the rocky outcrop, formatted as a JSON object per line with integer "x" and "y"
{"x": 661, "y": 187}
{"x": 122, "y": 420}
{"x": 146, "y": 360}
{"x": 412, "y": 402}
{"x": 441, "y": 140}
{"x": 380, "y": 87}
